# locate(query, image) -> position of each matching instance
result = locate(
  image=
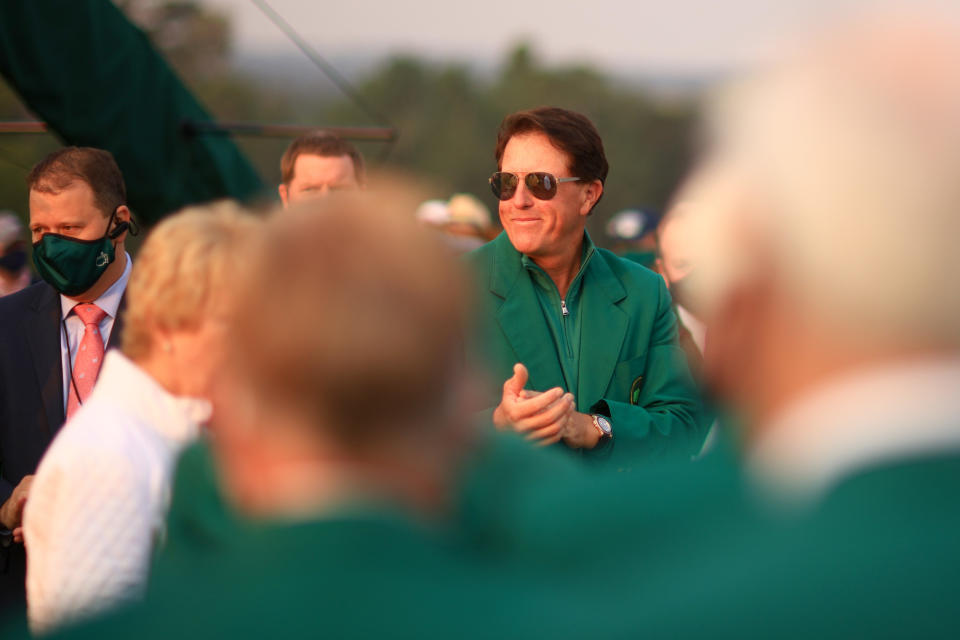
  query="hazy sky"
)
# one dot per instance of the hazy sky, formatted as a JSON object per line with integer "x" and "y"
{"x": 665, "y": 36}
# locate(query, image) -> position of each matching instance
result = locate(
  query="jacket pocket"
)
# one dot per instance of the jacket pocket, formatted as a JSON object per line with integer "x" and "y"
{"x": 628, "y": 378}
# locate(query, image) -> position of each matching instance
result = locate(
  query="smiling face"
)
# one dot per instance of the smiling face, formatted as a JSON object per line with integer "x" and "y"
{"x": 315, "y": 176}
{"x": 545, "y": 229}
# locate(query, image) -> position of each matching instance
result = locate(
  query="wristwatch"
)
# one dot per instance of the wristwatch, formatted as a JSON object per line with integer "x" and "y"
{"x": 602, "y": 423}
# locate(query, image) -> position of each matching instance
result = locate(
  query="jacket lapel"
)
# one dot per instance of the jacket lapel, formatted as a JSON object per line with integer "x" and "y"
{"x": 603, "y": 329}
{"x": 116, "y": 334}
{"x": 521, "y": 318}
{"x": 42, "y": 329}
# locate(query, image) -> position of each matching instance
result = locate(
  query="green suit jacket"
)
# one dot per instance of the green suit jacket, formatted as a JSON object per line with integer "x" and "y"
{"x": 670, "y": 551}
{"x": 630, "y": 366}
{"x": 876, "y": 557}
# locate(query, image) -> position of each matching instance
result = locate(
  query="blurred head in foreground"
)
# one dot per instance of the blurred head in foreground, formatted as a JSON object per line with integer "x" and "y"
{"x": 827, "y": 215}
{"x": 348, "y": 386}
{"x": 182, "y": 294}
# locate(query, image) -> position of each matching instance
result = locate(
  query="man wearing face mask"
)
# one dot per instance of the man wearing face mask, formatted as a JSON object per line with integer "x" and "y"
{"x": 55, "y": 332}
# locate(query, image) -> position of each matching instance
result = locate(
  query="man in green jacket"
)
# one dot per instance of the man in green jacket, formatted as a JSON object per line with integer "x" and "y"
{"x": 584, "y": 342}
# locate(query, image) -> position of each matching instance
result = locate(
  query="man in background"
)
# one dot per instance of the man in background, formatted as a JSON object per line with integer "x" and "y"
{"x": 316, "y": 164}
{"x": 55, "y": 332}
{"x": 99, "y": 498}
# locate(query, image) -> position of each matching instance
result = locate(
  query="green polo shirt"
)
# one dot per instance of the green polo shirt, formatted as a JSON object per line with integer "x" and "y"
{"x": 563, "y": 315}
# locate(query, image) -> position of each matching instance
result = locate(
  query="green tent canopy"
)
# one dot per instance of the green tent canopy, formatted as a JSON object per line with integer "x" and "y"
{"x": 96, "y": 80}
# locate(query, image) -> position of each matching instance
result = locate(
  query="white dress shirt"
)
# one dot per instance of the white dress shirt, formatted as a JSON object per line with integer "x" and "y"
{"x": 100, "y": 495}
{"x": 109, "y": 301}
{"x": 876, "y": 416}
{"x": 697, "y": 329}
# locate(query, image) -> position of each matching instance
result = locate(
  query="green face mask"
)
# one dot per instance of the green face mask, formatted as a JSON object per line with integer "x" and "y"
{"x": 69, "y": 265}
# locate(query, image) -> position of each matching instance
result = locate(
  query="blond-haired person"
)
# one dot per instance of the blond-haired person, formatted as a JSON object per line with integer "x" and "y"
{"x": 100, "y": 495}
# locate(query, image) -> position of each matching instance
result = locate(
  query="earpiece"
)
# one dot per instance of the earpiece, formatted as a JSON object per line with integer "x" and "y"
{"x": 120, "y": 228}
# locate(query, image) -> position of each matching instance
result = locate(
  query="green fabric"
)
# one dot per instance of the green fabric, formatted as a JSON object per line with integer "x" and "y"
{"x": 630, "y": 368}
{"x": 563, "y": 315}
{"x": 352, "y": 578}
{"x": 643, "y": 258}
{"x": 687, "y": 550}
{"x": 495, "y": 488}
{"x": 94, "y": 78}
{"x": 877, "y": 558}
{"x": 369, "y": 572}
{"x": 70, "y": 265}
{"x": 672, "y": 550}
{"x": 543, "y": 550}
{"x": 199, "y": 520}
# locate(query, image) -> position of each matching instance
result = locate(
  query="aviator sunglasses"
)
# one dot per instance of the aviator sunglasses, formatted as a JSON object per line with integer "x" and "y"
{"x": 542, "y": 185}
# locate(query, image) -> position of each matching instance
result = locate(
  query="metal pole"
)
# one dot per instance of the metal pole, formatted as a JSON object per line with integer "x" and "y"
{"x": 194, "y": 128}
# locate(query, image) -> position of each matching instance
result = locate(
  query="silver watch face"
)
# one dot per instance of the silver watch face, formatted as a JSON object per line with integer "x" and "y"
{"x": 604, "y": 424}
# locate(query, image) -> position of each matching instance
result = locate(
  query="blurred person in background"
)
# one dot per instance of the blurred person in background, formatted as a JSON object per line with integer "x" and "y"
{"x": 100, "y": 494}
{"x": 14, "y": 272}
{"x": 316, "y": 164}
{"x": 55, "y": 332}
{"x": 583, "y": 342}
{"x": 675, "y": 262}
{"x": 633, "y": 234}
{"x": 432, "y": 213}
{"x": 842, "y": 363}
{"x": 464, "y": 221}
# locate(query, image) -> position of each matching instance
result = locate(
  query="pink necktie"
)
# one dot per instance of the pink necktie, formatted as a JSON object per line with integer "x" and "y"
{"x": 86, "y": 366}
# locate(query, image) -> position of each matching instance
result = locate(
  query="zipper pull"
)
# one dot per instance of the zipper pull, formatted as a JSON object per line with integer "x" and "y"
{"x": 563, "y": 308}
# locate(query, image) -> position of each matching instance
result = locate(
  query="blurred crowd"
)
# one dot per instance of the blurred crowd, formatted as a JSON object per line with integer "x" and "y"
{"x": 368, "y": 413}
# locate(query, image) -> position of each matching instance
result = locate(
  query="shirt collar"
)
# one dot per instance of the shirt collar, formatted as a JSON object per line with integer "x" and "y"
{"x": 124, "y": 383}
{"x": 587, "y": 253}
{"x": 906, "y": 409}
{"x": 696, "y": 327}
{"x": 109, "y": 300}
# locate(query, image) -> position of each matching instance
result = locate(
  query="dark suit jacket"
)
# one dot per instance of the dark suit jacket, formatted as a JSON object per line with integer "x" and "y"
{"x": 31, "y": 401}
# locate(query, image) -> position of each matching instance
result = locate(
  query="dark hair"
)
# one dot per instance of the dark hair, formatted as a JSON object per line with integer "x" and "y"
{"x": 402, "y": 341}
{"x": 95, "y": 167}
{"x": 320, "y": 143}
{"x": 569, "y": 131}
